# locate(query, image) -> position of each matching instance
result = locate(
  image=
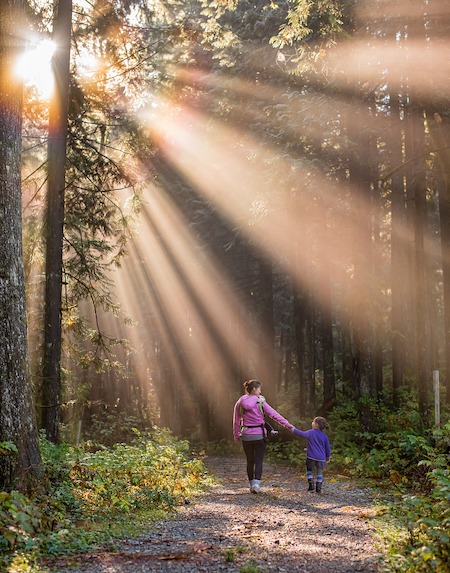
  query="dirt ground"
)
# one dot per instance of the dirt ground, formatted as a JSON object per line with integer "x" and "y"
{"x": 282, "y": 529}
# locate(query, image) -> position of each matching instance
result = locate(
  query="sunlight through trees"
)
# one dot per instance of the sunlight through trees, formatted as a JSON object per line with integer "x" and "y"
{"x": 250, "y": 190}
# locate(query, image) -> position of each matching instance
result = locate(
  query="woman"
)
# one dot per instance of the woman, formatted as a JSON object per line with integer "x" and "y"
{"x": 248, "y": 425}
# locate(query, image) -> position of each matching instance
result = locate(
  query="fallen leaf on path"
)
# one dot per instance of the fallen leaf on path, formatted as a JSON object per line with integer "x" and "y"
{"x": 368, "y": 513}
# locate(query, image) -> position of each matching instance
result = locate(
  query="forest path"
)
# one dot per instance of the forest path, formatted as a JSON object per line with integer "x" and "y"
{"x": 282, "y": 529}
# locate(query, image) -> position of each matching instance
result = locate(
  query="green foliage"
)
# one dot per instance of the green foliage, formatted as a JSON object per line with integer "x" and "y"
{"x": 91, "y": 496}
{"x": 427, "y": 519}
{"x": 231, "y": 552}
{"x": 220, "y": 448}
{"x": 394, "y": 446}
{"x": 145, "y": 474}
{"x": 8, "y": 448}
{"x": 414, "y": 464}
{"x": 20, "y": 519}
{"x": 250, "y": 567}
{"x": 111, "y": 427}
{"x": 291, "y": 451}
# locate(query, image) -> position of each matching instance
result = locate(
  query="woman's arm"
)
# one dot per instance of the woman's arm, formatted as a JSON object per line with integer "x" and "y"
{"x": 236, "y": 422}
{"x": 272, "y": 413}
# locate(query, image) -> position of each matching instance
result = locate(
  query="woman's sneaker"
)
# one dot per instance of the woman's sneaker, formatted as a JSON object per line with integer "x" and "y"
{"x": 256, "y": 487}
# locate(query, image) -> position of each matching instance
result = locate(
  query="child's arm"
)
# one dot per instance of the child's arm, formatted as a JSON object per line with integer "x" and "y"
{"x": 300, "y": 433}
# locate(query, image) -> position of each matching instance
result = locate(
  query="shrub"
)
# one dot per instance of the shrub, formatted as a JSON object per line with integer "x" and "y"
{"x": 427, "y": 519}
{"x": 98, "y": 489}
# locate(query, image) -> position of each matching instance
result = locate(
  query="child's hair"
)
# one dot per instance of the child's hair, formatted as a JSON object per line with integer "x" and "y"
{"x": 322, "y": 423}
{"x": 249, "y": 385}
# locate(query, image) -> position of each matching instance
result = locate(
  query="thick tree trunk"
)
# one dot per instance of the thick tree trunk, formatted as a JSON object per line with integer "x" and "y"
{"x": 17, "y": 420}
{"x": 51, "y": 392}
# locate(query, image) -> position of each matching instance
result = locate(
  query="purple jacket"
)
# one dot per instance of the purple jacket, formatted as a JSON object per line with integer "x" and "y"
{"x": 247, "y": 413}
{"x": 318, "y": 447}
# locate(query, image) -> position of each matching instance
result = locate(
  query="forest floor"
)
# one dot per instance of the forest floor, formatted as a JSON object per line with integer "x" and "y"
{"x": 282, "y": 529}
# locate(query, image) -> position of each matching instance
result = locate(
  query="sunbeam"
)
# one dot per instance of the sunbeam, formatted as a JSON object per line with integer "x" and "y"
{"x": 191, "y": 300}
{"x": 294, "y": 151}
{"x": 233, "y": 170}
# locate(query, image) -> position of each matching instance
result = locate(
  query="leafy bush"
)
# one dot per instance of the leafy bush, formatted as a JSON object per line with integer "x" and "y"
{"x": 395, "y": 450}
{"x": 399, "y": 450}
{"x": 152, "y": 472}
{"x": 291, "y": 451}
{"x": 98, "y": 490}
{"x": 20, "y": 519}
{"x": 427, "y": 547}
{"x": 110, "y": 427}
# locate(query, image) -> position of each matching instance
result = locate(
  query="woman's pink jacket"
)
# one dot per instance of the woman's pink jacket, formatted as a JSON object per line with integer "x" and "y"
{"x": 246, "y": 413}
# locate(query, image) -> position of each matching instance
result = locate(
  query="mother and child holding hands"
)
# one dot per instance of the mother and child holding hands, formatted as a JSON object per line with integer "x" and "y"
{"x": 251, "y": 428}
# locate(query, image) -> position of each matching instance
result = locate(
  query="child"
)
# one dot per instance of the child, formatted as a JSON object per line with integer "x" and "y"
{"x": 317, "y": 451}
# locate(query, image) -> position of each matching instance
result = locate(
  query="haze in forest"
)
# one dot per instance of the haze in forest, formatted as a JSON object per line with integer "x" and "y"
{"x": 283, "y": 167}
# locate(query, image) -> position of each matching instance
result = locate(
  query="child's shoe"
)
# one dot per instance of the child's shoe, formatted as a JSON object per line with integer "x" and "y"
{"x": 310, "y": 485}
{"x": 318, "y": 487}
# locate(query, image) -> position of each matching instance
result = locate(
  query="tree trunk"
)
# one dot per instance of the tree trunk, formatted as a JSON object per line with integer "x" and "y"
{"x": 440, "y": 132}
{"x": 362, "y": 287}
{"x": 398, "y": 260}
{"x": 300, "y": 327}
{"x": 17, "y": 420}
{"x": 266, "y": 347}
{"x": 311, "y": 362}
{"x": 57, "y": 142}
{"x": 329, "y": 384}
{"x": 420, "y": 295}
{"x": 326, "y": 325}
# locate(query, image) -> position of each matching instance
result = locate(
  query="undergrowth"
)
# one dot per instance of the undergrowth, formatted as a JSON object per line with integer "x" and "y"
{"x": 407, "y": 464}
{"x": 93, "y": 495}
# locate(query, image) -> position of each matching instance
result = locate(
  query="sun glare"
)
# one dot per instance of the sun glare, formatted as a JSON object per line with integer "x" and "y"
{"x": 35, "y": 67}
{"x": 88, "y": 65}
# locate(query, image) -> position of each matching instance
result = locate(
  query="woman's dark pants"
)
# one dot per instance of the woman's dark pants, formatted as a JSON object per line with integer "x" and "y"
{"x": 254, "y": 452}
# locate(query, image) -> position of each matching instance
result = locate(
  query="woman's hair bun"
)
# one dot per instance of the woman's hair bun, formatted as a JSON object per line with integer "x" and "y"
{"x": 249, "y": 385}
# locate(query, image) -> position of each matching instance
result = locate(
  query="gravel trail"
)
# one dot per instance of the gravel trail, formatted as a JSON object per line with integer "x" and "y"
{"x": 282, "y": 529}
